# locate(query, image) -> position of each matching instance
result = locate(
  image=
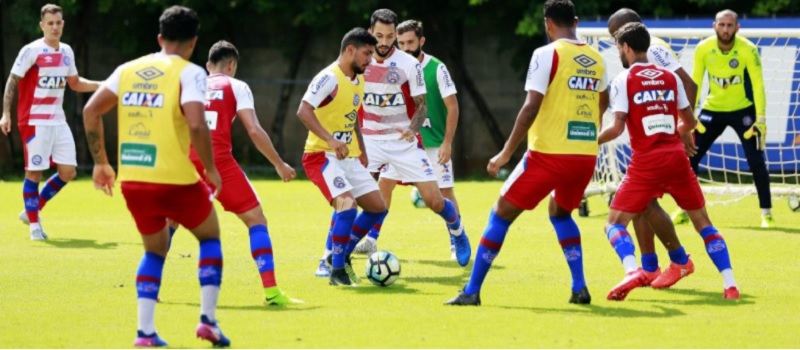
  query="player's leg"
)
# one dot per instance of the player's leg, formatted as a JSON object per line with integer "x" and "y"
{"x": 370, "y": 244}
{"x": 645, "y": 238}
{"x": 37, "y": 147}
{"x": 657, "y": 221}
{"x": 65, "y": 157}
{"x": 757, "y": 164}
{"x": 323, "y": 269}
{"x": 445, "y": 178}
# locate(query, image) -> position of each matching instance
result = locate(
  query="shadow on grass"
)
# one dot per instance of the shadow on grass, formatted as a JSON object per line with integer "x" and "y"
{"x": 79, "y": 244}
{"x": 789, "y": 230}
{"x": 604, "y": 311}
{"x": 366, "y": 287}
{"x": 289, "y": 308}
{"x": 455, "y": 281}
{"x": 450, "y": 264}
{"x": 702, "y": 298}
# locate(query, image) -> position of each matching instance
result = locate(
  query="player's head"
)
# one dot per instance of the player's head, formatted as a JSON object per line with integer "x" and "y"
{"x": 558, "y": 15}
{"x": 51, "y": 21}
{"x": 726, "y": 24}
{"x": 382, "y": 25}
{"x": 223, "y": 58}
{"x": 178, "y": 27}
{"x": 410, "y": 37}
{"x": 620, "y": 18}
{"x": 358, "y": 46}
{"x": 633, "y": 40}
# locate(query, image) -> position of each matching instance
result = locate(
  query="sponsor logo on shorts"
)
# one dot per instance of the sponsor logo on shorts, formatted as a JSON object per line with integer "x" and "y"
{"x": 36, "y": 159}
{"x": 572, "y": 254}
{"x": 447, "y": 178}
{"x": 734, "y": 63}
{"x": 139, "y": 130}
{"x": 138, "y": 154}
{"x": 648, "y": 96}
{"x": 392, "y": 77}
{"x": 52, "y": 82}
{"x": 384, "y": 100}
{"x": 585, "y": 61}
{"x": 425, "y": 163}
{"x": 445, "y": 168}
{"x": 143, "y": 99}
{"x": 338, "y": 182}
{"x": 583, "y": 83}
{"x": 149, "y": 73}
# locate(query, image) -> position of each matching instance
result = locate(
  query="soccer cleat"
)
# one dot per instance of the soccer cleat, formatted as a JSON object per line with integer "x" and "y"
{"x": 680, "y": 217}
{"x": 631, "y": 281}
{"x": 463, "y": 250}
{"x": 453, "y": 247}
{"x": 323, "y": 270}
{"x": 348, "y": 267}
{"x": 276, "y": 297}
{"x": 148, "y": 341}
{"x": 38, "y": 235}
{"x": 465, "y": 299}
{"x": 581, "y": 297}
{"x": 366, "y": 247}
{"x": 673, "y": 274}
{"x": 210, "y": 331}
{"x": 339, "y": 277}
{"x": 23, "y": 216}
{"x": 767, "y": 221}
{"x": 731, "y": 293}
{"x": 651, "y": 276}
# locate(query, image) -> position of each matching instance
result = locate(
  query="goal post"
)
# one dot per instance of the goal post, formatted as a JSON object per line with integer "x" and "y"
{"x": 723, "y": 171}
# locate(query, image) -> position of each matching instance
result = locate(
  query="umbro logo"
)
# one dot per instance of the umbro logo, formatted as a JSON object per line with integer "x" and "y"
{"x": 149, "y": 73}
{"x": 585, "y": 61}
{"x": 649, "y": 73}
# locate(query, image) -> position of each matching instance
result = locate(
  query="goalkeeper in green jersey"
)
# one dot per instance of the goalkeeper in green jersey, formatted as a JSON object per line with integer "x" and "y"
{"x": 736, "y": 98}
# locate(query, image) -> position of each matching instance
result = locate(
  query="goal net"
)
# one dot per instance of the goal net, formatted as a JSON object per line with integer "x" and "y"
{"x": 723, "y": 172}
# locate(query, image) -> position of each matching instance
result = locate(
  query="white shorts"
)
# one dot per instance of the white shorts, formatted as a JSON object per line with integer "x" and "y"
{"x": 444, "y": 173}
{"x": 42, "y": 143}
{"x": 409, "y": 162}
{"x": 335, "y": 177}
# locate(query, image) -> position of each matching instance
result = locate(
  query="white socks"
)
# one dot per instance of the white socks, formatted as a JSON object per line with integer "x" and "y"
{"x": 147, "y": 310}
{"x": 630, "y": 263}
{"x": 727, "y": 276}
{"x": 208, "y": 302}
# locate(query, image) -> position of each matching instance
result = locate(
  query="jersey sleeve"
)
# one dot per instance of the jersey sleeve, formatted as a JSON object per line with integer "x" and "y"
{"x": 73, "y": 69}
{"x": 660, "y": 56}
{"x": 243, "y": 95}
{"x": 193, "y": 84}
{"x": 538, "y": 78}
{"x": 25, "y": 60}
{"x": 446, "y": 85}
{"x": 112, "y": 83}
{"x": 683, "y": 100}
{"x": 416, "y": 81}
{"x": 754, "y": 69}
{"x": 619, "y": 93}
{"x": 320, "y": 88}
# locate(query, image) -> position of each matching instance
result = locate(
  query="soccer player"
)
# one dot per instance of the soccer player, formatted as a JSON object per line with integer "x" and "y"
{"x": 333, "y": 154}
{"x": 41, "y": 71}
{"x": 228, "y": 98}
{"x": 161, "y": 100}
{"x": 736, "y": 99}
{"x": 393, "y": 112}
{"x": 650, "y": 100}
{"x": 566, "y": 97}
{"x": 437, "y": 131}
{"x": 654, "y": 220}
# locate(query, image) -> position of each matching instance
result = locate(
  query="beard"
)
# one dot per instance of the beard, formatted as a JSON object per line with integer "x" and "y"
{"x": 357, "y": 69}
{"x": 625, "y": 63}
{"x": 388, "y": 50}
{"x": 416, "y": 52}
{"x": 726, "y": 42}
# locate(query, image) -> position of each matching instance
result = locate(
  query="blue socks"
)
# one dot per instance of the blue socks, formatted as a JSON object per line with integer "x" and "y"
{"x": 30, "y": 196}
{"x": 148, "y": 276}
{"x": 492, "y": 241}
{"x": 376, "y": 229}
{"x": 679, "y": 256}
{"x": 361, "y": 226}
{"x": 50, "y": 189}
{"x": 341, "y": 236}
{"x": 261, "y": 250}
{"x": 569, "y": 236}
{"x": 650, "y": 262}
{"x": 716, "y": 248}
{"x": 450, "y": 215}
{"x": 621, "y": 241}
{"x": 209, "y": 269}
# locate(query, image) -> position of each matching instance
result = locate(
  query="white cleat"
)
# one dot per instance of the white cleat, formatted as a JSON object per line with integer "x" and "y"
{"x": 23, "y": 216}
{"x": 38, "y": 235}
{"x": 366, "y": 246}
{"x": 453, "y": 253}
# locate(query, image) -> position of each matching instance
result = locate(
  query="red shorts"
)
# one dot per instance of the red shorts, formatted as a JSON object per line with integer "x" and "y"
{"x": 237, "y": 195}
{"x": 152, "y": 204}
{"x": 538, "y": 174}
{"x": 671, "y": 174}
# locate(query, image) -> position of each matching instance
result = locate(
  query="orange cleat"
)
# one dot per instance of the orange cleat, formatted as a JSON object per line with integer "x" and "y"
{"x": 731, "y": 293}
{"x": 673, "y": 274}
{"x": 651, "y": 276}
{"x": 631, "y": 281}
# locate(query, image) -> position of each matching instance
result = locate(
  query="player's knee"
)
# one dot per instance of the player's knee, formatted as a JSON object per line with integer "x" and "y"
{"x": 436, "y": 203}
{"x": 35, "y": 176}
{"x": 67, "y": 173}
{"x": 344, "y": 203}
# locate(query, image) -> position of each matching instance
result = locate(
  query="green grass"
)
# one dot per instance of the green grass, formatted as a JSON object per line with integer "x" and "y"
{"x": 76, "y": 289}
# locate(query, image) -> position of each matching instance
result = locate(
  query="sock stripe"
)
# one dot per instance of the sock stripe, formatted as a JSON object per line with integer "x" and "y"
{"x": 377, "y": 226}
{"x": 615, "y": 237}
{"x": 340, "y": 239}
{"x": 145, "y": 278}
{"x": 261, "y": 251}
{"x": 712, "y": 237}
{"x": 360, "y": 231}
{"x": 570, "y": 241}
{"x": 30, "y": 194}
{"x": 489, "y": 244}
{"x": 55, "y": 185}
{"x": 210, "y": 262}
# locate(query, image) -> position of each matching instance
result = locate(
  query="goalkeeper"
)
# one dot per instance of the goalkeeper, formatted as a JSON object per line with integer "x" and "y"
{"x": 736, "y": 98}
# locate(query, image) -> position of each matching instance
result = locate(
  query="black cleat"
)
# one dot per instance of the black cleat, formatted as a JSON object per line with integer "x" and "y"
{"x": 581, "y": 297}
{"x": 339, "y": 277}
{"x": 464, "y": 299}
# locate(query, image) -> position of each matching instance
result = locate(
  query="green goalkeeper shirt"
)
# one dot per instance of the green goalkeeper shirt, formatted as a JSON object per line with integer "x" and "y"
{"x": 734, "y": 77}
{"x": 439, "y": 85}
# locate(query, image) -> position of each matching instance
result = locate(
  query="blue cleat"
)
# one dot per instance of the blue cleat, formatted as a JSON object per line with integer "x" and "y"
{"x": 463, "y": 250}
{"x": 148, "y": 341}
{"x": 210, "y": 331}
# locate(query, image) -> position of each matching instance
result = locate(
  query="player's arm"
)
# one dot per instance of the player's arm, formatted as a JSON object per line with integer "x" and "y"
{"x": 417, "y": 88}
{"x": 617, "y": 127}
{"x": 263, "y": 143}
{"x": 81, "y": 84}
{"x": 363, "y": 157}
{"x": 525, "y": 118}
{"x": 8, "y": 100}
{"x": 445, "y": 150}
{"x": 759, "y": 128}
{"x": 193, "y": 103}
{"x": 687, "y": 121}
{"x": 619, "y": 109}
{"x": 102, "y": 101}
{"x": 698, "y": 73}
{"x": 306, "y": 114}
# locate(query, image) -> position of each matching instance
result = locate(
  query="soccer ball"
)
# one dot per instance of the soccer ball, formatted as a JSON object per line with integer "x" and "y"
{"x": 416, "y": 198}
{"x": 383, "y": 268}
{"x": 794, "y": 202}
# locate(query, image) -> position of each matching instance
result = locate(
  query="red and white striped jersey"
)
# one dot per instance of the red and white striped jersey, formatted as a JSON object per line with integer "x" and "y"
{"x": 389, "y": 88}
{"x": 44, "y": 71}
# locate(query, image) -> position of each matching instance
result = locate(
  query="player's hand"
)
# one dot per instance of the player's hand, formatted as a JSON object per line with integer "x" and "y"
{"x": 103, "y": 177}
{"x": 759, "y": 130}
{"x": 5, "y": 124}
{"x": 406, "y": 134}
{"x": 700, "y": 128}
{"x": 212, "y": 175}
{"x": 339, "y": 147}
{"x": 286, "y": 172}
{"x": 444, "y": 153}
{"x": 688, "y": 144}
{"x": 363, "y": 159}
{"x": 497, "y": 162}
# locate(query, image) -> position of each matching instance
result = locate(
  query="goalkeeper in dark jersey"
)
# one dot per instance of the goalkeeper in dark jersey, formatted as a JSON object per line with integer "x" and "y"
{"x": 736, "y": 98}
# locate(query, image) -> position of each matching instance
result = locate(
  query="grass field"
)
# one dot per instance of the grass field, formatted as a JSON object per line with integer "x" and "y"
{"x": 76, "y": 290}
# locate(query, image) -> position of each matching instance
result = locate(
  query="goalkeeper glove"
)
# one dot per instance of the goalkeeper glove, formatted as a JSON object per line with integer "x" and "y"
{"x": 759, "y": 129}
{"x": 700, "y": 128}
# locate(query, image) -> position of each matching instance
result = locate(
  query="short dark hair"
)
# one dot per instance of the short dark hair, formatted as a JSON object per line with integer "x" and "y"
{"x": 179, "y": 23}
{"x": 623, "y": 16}
{"x": 50, "y": 8}
{"x": 409, "y": 25}
{"x": 222, "y": 51}
{"x": 385, "y": 16}
{"x": 635, "y": 35}
{"x": 358, "y": 37}
{"x": 561, "y": 12}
